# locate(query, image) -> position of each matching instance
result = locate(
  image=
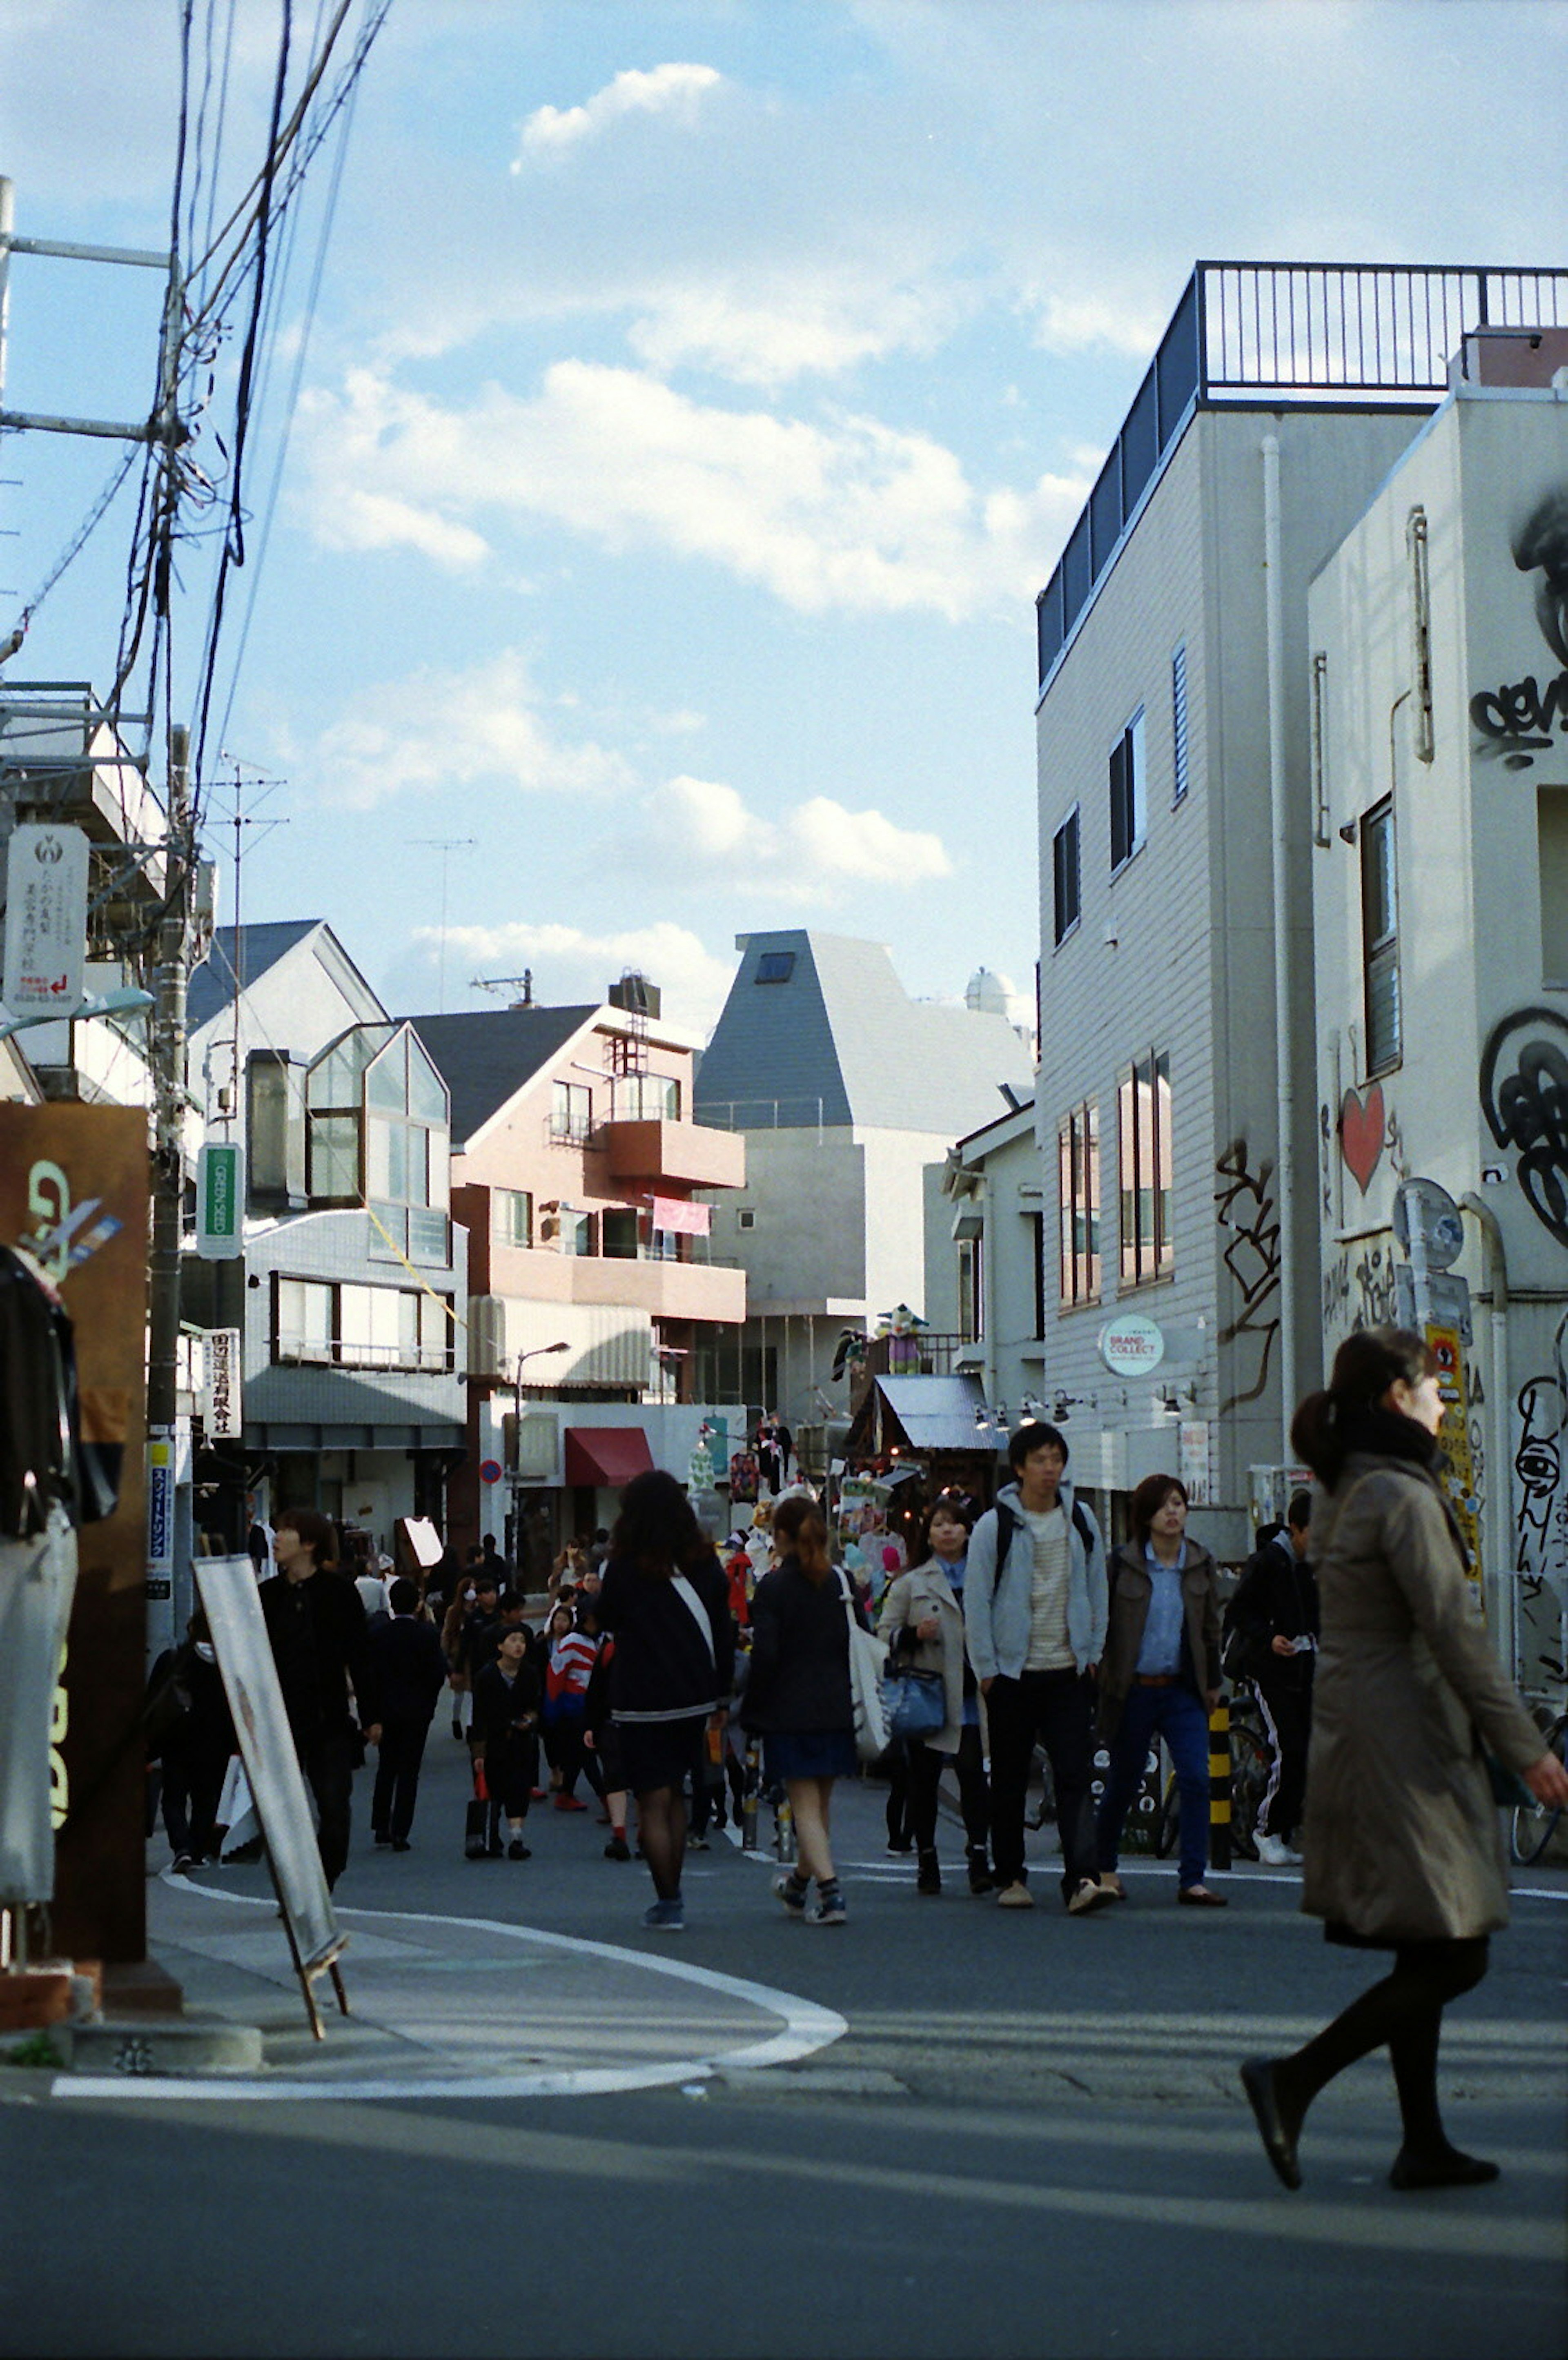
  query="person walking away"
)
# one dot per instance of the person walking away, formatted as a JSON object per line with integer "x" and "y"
{"x": 1159, "y": 1677}
{"x": 1403, "y": 1849}
{"x": 197, "y": 1741}
{"x": 921, "y": 1619}
{"x": 410, "y": 1672}
{"x": 799, "y": 1699}
{"x": 320, "y": 1646}
{"x": 506, "y": 1716}
{"x": 666, "y": 1605}
{"x": 1273, "y": 1612}
{"x": 1034, "y": 1607}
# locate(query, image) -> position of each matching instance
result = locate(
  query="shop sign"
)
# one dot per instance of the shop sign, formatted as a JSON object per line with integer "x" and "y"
{"x": 220, "y": 1384}
{"x": 220, "y": 1196}
{"x": 46, "y": 919}
{"x": 1131, "y": 1346}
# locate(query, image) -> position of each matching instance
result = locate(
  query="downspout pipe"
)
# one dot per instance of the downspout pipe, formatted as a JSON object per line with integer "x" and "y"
{"x": 1500, "y": 1490}
{"x": 1278, "y": 812}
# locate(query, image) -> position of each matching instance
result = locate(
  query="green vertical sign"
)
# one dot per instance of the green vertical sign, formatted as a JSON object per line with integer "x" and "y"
{"x": 220, "y": 1201}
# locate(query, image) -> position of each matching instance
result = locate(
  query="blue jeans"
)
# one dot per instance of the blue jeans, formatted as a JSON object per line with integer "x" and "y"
{"x": 1179, "y": 1716}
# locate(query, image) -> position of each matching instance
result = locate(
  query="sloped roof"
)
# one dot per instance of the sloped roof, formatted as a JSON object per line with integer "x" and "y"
{"x": 486, "y": 1054}
{"x": 839, "y": 1041}
{"x": 931, "y": 1413}
{"x": 212, "y": 985}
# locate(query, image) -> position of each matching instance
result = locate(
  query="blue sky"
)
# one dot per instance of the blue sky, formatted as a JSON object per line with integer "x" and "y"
{"x": 695, "y": 399}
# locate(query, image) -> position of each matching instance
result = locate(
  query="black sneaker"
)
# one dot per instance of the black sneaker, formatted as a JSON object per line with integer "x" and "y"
{"x": 929, "y": 1880}
{"x": 617, "y": 1849}
{"x": 518, "y": 1850}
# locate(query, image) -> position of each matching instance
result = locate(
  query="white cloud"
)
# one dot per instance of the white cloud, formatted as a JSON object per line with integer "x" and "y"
{"x": 844, "y": 514}
{"x": 704, "y": 831}
{"x": 439, "y": 729}
{"x": 674, "y": 91}
{"x": 570, "y": 965}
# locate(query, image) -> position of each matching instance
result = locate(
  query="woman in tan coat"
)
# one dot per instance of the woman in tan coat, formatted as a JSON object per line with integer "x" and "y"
{"x": 1402, "y": 1842}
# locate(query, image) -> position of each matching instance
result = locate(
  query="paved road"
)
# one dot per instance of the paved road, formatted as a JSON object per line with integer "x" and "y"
{"x": 1025, "y": 2139}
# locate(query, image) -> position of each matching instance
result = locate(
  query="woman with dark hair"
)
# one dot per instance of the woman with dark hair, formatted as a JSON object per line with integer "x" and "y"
{"x": 921, "y": 1619}
{"x": 799, "y": 1698}
{"x": 1160, "y": 1677}
{"x": 1403, "y": 1848}
{"x": 667, "y": 1604}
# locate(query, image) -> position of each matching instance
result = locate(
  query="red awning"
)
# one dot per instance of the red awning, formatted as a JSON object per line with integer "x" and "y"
{"x": 606, "y": 1457}
{"x": 675, "y": 1213}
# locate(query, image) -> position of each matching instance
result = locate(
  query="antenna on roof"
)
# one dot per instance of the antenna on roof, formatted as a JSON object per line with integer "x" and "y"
{"x": 522, "y": 983}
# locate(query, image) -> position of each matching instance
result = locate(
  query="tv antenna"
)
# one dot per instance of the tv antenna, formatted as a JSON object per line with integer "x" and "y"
{"x": 522, "y": 984}
{"x": 446, "y": 846}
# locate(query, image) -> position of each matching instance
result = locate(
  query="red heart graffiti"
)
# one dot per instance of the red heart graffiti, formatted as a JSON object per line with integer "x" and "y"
{"x": 1362, "y": 1124}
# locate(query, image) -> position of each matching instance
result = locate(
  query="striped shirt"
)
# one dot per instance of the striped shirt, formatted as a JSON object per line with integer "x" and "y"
{"x": 1049, "y": 1648}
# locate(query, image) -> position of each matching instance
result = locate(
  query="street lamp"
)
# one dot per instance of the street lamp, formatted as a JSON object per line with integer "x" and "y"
{"x": 538, "y": 1353}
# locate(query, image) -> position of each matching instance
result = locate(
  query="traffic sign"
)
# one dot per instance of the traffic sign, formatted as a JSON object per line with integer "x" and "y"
{"x": 489, "y": 1470}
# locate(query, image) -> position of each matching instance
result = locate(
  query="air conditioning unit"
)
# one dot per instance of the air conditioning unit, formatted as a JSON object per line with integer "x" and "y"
{"x": 487, "y": 1336}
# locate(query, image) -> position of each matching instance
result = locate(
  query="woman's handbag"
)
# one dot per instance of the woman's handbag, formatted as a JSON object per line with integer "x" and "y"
{"x": 915, "y": 1704}
{"x": 868, "y": 1661}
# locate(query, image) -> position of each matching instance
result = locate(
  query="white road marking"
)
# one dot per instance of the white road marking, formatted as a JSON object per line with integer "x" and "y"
{"x": 806, "y": 2027}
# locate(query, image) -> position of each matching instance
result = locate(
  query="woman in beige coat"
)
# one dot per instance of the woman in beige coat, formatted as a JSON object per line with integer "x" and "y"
{"x": 1402, "y": 1842}
{"x": 922, "y": 1621}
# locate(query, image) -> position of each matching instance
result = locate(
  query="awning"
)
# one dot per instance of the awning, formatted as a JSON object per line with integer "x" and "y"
{"x": 606, "y": 1457}
{"x": 684, "y": 1219}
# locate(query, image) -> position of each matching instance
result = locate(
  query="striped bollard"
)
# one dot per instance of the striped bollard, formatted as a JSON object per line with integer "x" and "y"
{"x": 1220, "y": 1785}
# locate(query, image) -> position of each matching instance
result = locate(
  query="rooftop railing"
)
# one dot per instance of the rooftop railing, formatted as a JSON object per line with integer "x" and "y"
{"x": 1360, "y": 333}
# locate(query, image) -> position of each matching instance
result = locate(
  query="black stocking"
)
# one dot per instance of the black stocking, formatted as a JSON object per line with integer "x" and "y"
{"x": 1403, "y": 2014}
{"x": 662, "y": 1826}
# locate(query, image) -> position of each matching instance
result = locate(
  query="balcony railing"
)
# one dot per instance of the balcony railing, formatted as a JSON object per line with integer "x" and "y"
{"x": 1283, "y": 332}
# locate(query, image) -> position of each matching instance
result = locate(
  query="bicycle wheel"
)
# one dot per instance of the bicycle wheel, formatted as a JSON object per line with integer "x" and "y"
{"x": 1531, "y": 1829}
{"x": 1249, "y": 1780}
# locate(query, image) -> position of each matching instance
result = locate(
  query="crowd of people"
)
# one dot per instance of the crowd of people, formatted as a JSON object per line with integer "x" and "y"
{"x": 1354, "y": 1625}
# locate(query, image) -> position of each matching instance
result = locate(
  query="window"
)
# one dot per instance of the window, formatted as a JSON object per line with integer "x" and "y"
{"x": 1179, "y": 724}
{"x": 645, "y": 1097}
{"x": 353, "y": 1326}
{"x": 275, "y": 1123}
{"x": 378, "y": 1124}
{"x": 1077, "y": 1170}
{"x": 1128, "y": 797}
{"x": 774, "y": 967}
{"x": 571, "y": 1111}
{"x": 578, "y": 1232}
{"x": 511, "y": 1217}
{"x": 1143, "y": 1124}
{"x": 1064, "y": 874}
{"x": 1379, "y": 939}
{"x": 972, "y": 1294}
{"x": 1551, "y": 826}
{"x": 746, "y": 1218}
{"x": 1038, "y": 1243}
{"x": 617, "y": 1228}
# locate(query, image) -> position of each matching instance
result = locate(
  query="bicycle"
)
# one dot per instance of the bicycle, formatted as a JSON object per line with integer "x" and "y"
{"x": 1251, "y": 1761}
{"x": 1532, "y": 1826}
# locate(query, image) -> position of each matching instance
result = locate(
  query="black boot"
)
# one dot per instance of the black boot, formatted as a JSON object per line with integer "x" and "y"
{"x": 979, "y": 1877}
{"x": 929, "y": 1879}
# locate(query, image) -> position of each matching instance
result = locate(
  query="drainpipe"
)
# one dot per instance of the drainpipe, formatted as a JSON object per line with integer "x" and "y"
{"x": 1273, "y": 597}
{"x": 1495, "y": 1279}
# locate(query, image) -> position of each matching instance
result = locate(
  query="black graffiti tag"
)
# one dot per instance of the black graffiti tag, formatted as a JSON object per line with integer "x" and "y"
{"x": 1243, "y": 1203}
{"x": 1524, "y": 1098}
{"x": 1517, "y": 721}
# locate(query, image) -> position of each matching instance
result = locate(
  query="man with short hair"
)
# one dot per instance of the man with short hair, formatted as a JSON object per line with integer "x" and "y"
{"x": 405, "y": 1653}
{"x": 1274, "y": 1610}
{"x": 1035, "y": 1606}
{"x": 320, "y": 1646}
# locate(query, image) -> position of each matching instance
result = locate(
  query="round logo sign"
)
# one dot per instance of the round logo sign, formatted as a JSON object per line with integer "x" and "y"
{"x": 489, "y": 1470}
{"x": 1131, "y": 1346}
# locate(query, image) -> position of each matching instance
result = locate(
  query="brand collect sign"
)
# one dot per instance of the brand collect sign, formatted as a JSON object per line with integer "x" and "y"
{"x": 1131, "y": 1346}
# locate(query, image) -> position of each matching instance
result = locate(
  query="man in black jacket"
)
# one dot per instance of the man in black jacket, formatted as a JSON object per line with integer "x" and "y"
{"x": 320, "y": 1646}
{"x": 1274, "y": 1609}
{"x": 410, "y": 1673}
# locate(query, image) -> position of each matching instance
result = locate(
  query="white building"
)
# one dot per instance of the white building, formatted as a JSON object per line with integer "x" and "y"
{"x": 847, "y": 1091}
{"x": 1174, "y": 1108}
{"x": 1440, "y": 639}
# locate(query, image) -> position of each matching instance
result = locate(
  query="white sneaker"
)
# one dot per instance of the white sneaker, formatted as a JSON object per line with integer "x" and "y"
{"x": 1274, "y": 1853}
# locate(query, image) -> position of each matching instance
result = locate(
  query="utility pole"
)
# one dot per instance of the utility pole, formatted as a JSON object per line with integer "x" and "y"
{"x": 171, "y": 1098}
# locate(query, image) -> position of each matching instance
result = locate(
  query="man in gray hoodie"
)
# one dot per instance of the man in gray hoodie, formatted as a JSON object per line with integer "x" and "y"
{"x": 1035, "y": 1614}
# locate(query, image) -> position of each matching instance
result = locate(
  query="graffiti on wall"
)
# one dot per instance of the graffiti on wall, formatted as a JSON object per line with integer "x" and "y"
{"x": 1358, "y": 1287}
{"x": 1516, "y": 721}
{"x": 1524, "y": 1098}
{"x": 1541, "y": 1495}
{"x": 1244, "y": 1205}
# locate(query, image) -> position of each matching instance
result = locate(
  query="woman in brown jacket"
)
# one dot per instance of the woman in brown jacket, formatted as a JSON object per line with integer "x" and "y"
{"x": 1402, "y": 1842}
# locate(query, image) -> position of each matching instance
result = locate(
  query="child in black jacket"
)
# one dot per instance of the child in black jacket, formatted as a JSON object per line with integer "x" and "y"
{"x": 506, "y": 1722}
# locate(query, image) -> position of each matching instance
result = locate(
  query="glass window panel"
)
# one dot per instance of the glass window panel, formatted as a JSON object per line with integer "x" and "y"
{"x": 619, "y": 1226}
{"x": 334, "y": 1157}
{"x": 1127, "y": 1153}
{"x": 427, "y": 1091}
{"x": 386, "y": 1083}
{"x": 394, "y": 1222}
{"x": 355, "y": 1313}
{"x": 428, "y": 1235}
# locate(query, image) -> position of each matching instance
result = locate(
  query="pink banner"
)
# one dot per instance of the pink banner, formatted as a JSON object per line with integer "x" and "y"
{"x": 685, "y": 1220}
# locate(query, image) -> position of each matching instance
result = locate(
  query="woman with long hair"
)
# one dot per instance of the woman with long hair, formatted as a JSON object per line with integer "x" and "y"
{"x": 1401, "y": 1837}
{"x": 1160, "y": 1675}
{"x": 922, "y": 1620}
{"x": 799, "y": 1698}
{"x": 667, "y": 1604}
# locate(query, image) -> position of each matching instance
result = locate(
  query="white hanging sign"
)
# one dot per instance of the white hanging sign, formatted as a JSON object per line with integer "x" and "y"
{"x": 220, "y": 1384}
{"x": 46, "y": 919}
